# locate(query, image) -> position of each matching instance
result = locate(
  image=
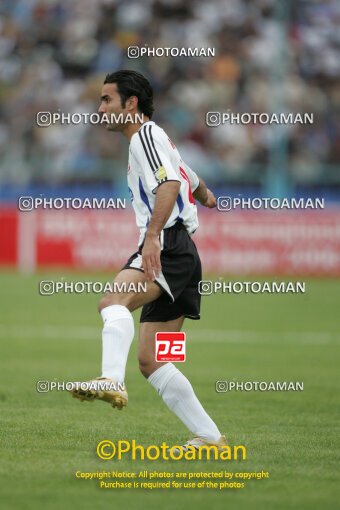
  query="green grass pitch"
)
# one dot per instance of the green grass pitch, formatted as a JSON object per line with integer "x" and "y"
{"x": 45, "y": 438}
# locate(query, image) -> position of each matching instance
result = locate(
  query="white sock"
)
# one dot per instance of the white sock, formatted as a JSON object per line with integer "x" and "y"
{"x": 118, "y": 333}
{"x": 179, "y": 396}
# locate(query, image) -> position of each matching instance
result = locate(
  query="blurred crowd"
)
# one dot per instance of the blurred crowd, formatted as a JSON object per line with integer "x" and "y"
{"x": 270, "y": 57}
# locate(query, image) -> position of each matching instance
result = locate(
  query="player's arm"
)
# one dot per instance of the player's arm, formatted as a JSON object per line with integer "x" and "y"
{"x": 199, "y": 189}
{"x": 166, "y": 196}
{"x": 204, "y": 195}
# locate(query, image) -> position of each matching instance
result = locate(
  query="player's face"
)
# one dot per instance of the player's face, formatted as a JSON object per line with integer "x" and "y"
{"x": 112, "y": 108}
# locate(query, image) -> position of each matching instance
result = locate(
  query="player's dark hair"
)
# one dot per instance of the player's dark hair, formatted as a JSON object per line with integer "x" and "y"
{"x": 131, "y": 83}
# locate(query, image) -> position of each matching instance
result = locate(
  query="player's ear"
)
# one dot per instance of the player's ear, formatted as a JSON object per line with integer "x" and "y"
{"x": 132, "y": 102}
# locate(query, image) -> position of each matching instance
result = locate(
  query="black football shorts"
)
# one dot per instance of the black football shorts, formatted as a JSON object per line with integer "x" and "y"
{"x": 181, "y": 274}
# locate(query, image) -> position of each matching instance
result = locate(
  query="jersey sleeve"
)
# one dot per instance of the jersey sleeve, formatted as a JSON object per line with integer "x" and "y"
{"x": 153, "y": 158}
{"x": 193, "y": 178}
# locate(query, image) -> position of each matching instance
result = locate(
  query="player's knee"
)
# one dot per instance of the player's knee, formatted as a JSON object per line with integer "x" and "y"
{"x": 114, "y": 298}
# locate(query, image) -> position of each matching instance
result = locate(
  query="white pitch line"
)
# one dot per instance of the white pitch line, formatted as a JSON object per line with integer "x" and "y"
{"x": 50, "y": 332}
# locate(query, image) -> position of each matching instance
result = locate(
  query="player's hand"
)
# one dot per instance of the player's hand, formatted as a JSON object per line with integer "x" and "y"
{"x": 211, "y": 200}
{"x": 151, "y": 257}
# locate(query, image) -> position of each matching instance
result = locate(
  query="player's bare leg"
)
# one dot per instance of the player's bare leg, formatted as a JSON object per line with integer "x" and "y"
{"x": 146, "y": 345}
{"x": 118, "y": 333}
{"x": 174, "y": 387}
{"x": 131, "y": 300}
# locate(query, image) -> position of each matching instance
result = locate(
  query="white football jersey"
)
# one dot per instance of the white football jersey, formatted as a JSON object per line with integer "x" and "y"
{"x": 154, "y": 159}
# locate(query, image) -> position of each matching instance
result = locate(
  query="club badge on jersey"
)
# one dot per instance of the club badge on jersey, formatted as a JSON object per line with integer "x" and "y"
{"x": 161, "y": 174}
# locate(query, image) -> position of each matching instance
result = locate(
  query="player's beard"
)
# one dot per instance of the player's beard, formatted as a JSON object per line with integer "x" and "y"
{"x": 114, "y": 127}
{"x": 117, "y": 127}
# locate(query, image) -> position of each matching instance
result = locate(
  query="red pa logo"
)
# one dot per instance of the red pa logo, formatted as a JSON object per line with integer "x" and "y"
{"x": 170, "y": 346}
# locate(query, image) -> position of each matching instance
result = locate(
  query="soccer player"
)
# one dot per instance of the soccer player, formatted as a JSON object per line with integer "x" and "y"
{"x": 162, "y": 189}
